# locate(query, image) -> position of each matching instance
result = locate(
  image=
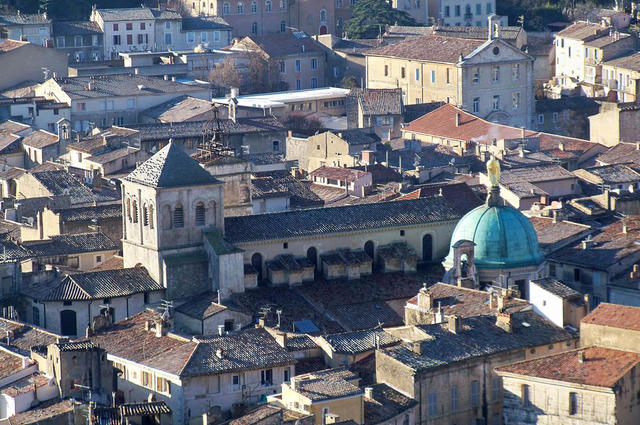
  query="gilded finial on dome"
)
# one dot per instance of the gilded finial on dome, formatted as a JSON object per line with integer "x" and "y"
{"x": 493, "y": 171}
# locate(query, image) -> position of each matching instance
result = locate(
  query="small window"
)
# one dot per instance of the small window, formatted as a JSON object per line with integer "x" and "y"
{"x": 403, "y": 72}
{"x": 285, "y": 245}
{"x": 129, "y": 26}
{"x": 235, "y": 380}
{"x": 574, "y": 403}
{"x": 98, "y": 258}
{"x": 526, "y": 395}
{"x": 134, "y": 211}
{"x": 401, "y": 232}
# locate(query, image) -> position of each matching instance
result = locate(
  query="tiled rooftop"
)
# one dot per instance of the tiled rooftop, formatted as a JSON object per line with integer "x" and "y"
{"x": 183, "y": 108}
{"x": 464, "y": 302}
{"x": 100, "y": 212}
{"x": 77, "y": 243}
{"x": 430, "y": 48}
{"x": 24, "y": 19}
{"x": 95, "y": 285}
{"x": 171, "y": 167}
{"x": 375, "y": 101}
{"x": 583, "y": 31}
{"x": 204, "y": 22}
{"x": 479, "y": 337}
{"x": 327, "y": 385}
{"x": 609, "y": 174}
{"x": 201, "y": 306}
{"x": 120, "y": 85}
{"x": 385, "y": 404}
{"x": 622, "y": 153}
{"x": 246, "y": 350}
{"x": 9, "y": 364}
{"x": 602, "y": 367}
{"x": 40, "y": 139}
{"x": 358, "y": 342}
{"x": 283, "y": 44}
{"x": 137, "y": 14}
{"x": 607, "y": 248}
{"x": 552, "y": 235}
{"x": 556, "y": 287}
{"x": 45, "y": 412}
{"x": 614, "y": 316}
{"x": 62, "y": 28}
{"x": 338, "y": 173}
{"x": 25, "y": 335}
{"x": 295, "y": 224}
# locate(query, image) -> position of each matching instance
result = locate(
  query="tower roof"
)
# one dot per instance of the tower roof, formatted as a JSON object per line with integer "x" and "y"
{"x": 171, "y": 167}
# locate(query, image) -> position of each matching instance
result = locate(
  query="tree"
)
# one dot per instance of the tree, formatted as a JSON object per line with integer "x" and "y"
{"x": 250, "y": 72}
{"x": 371, "y": 16}
{"x": 349, "y": 82}
{"x": 300, "y": 124}
{"x": 225, "y": 75}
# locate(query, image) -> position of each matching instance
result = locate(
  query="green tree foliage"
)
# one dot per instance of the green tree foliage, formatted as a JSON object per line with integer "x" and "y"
{"x": 371, "y": 16}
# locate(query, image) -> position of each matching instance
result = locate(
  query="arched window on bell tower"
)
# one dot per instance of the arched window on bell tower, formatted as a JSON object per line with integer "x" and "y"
{"x": 178, "y": 216}
{"x": 200, "y": 214}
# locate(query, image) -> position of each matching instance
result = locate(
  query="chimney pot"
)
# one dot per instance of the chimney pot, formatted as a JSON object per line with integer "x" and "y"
{"x": 147, "y": 325}
{"x": 454, "y": 324}
{"x": 581, "y": 356}
{"x": 368, "y": 392}
{"x": 503, "y": 321}
{"x": 219, "y": 353}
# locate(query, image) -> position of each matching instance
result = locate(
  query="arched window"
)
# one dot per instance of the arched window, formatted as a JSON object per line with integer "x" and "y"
{"x": 323, "y": 15}
{"x": 151, "y": 216}
{"x": 178, "y": 216}
{"x": 240, "y": 8}
{"x": 200, "y": 214}
{"x": 129, "y": 210}
{"x": 145, "y": 215}
{"x": 267, "y": 6}
{"x": 254, "y": 7}
{"x": 254, "y": 28}
{"x": 167, "y": 218}
{"x": 283, "y": 4}
{"x": 134, "y": 213}
{"x": 226, "y": 9}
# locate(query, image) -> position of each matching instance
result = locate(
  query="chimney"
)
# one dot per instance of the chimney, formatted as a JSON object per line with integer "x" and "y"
{"x": 425, "y": 299}
{"x": 454, "y": 324}
{"x": 219, "y": 353}
{"x": 281, "y": 339}
{"x": 561, "y": 146}
{"x": 147, "y": 325}
{"x": 503, "y": 321}
{"x": 220, "y": 330}
{"x": 173, "y": 79}
{"x": 159, "y": 328}
{"x": 166, "y": 77}
{"x": 294, "y": 382}
{"x": 555, "y": 216}
{"x": 289, "y": 133}
{"x": 624, "y": 228}
{"x": 458, "y": 119}
{"x": 500, "y": 304}
{"x": 587, "y": 302}
{"x": 368, "y": 392}
{"x": 416, "y": 347}
{"x": 638, "y": 146}
{"x": 524, "y": 134}
{"x": 368, "y": 157}
{"x": 88, "y": 332}
{"x": 581, "y": 356}
{"x": 588, "y": 243}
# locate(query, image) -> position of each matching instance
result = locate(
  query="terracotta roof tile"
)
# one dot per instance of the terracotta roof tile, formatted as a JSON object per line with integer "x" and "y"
{"x": 602, "y": 367}
{"x": 429, "y": 48}
{"x": 615, "y": 316}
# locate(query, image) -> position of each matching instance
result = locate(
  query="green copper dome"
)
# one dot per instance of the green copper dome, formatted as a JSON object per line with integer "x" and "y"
{"x": 504, "y": 238}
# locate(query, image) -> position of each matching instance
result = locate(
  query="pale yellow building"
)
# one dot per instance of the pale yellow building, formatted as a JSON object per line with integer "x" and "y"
{"x": 489, "y": 78}
{"x": 330, "y": 395}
